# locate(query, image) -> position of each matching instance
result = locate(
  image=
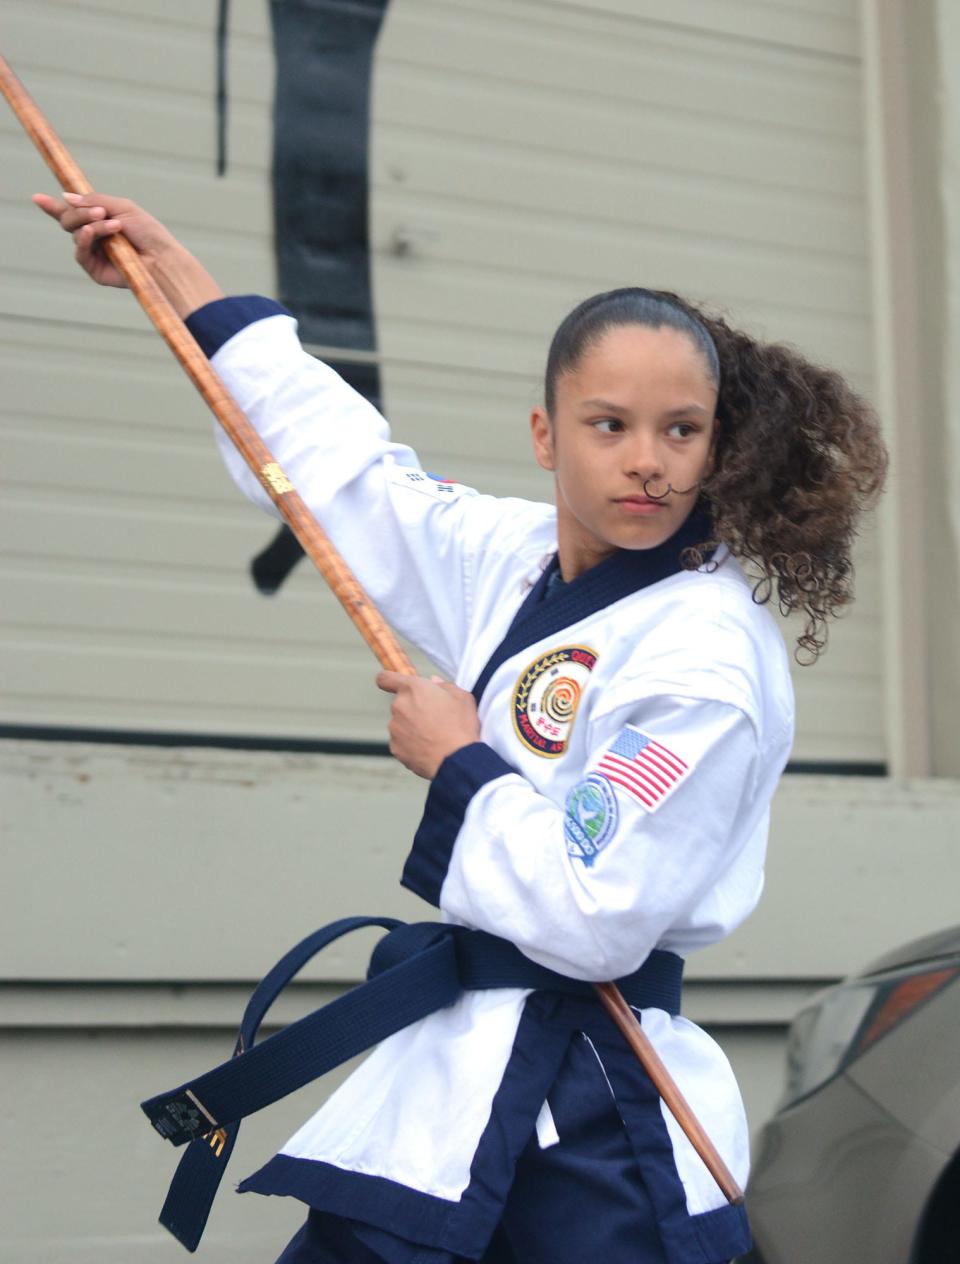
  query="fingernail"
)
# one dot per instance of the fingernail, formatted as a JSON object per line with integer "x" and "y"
{"x": 72, "y": 197}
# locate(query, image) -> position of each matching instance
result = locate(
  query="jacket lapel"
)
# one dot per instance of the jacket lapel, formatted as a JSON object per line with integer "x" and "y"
{"x": 624, "y": 572}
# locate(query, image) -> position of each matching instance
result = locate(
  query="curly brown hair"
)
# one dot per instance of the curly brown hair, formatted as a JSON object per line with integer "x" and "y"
{"x": 798, "y": 457}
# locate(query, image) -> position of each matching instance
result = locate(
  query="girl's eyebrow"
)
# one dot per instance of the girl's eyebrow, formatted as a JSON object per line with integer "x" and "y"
{"x": 604, "y": 403}
{"x": 683, "y": 411}
{"x": 689, "y": 408}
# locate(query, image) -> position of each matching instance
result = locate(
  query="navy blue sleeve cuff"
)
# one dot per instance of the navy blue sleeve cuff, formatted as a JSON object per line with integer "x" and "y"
{"x": 458, "y": 779}
{"x": 215, "y": 323}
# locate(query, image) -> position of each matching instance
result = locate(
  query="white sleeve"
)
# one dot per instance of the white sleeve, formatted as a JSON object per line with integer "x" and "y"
{"x": 591, "y": 887}
{"x": 411, "y": 540}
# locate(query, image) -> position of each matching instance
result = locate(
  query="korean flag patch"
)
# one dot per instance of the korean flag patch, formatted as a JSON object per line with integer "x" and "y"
{"x": 636, "y": 763}
{"x": 432, "y": 485}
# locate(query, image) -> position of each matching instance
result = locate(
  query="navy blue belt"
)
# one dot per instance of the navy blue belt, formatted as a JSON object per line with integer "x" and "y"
{"x": 414, "y": 971}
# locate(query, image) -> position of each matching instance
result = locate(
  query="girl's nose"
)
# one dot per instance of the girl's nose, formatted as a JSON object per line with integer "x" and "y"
{"x": 644, "y": 459}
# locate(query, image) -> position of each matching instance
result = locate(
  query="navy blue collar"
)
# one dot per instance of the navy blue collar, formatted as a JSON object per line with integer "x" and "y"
{"x": 616, "y": 577}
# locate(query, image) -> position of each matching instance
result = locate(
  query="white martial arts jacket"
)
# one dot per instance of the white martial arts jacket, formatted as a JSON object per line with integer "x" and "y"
{"x": 632, "y": 736}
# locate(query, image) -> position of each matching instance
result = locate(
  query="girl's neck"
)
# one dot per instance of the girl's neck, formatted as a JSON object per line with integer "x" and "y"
{"x": 577, "y": 551}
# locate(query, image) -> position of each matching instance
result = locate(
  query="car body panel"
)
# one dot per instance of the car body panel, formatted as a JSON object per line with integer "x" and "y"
{"x": 837, "y": 1180}
{"x": 942, "y": 943}
{"x": 914, "y": 1070}
{"x": 848, "y": 1172}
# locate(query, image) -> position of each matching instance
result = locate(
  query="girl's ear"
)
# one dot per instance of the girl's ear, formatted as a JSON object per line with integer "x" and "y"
{"x": 541, "y": 430}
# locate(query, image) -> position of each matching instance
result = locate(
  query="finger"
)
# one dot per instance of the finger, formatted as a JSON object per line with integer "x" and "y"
{"x": 391, "y": 681}
{"x": 75, "y": 217}
{"x": 83, "y": 239}
{"x": 91, "y": 233}
{"x": 114, "y": 205}
{"x": 83, "y": 256}
{"x": 49, "y": 205}
{"x": 92, "y": 261}
{"x": 450, "y": 688}
{"x": 70, "y": 217}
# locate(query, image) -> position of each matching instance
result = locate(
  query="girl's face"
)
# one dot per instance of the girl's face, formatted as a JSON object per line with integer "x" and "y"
{"x": 633, "y": 428}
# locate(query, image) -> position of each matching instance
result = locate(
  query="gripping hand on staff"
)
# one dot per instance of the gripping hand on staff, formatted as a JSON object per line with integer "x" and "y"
{"x": 92, "y": 218}
{"x": 429, "y": 720}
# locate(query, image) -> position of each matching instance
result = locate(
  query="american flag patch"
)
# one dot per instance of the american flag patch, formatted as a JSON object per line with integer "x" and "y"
{"x": 639, "y": 764}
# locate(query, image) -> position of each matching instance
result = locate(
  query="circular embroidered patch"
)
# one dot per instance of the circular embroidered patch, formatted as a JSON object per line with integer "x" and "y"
{"x": 591, "y": 818}
{"x": 546, "y": 697}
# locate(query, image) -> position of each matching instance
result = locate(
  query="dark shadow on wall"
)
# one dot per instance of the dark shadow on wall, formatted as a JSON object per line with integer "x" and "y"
{"x": 324, "y": 51}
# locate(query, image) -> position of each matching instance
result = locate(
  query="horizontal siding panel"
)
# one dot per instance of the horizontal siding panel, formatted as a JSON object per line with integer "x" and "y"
{"x": 135, "y": 53}
{"x": 820, "y": 27}
{"x": 810, "y": 26}
{"x": 240, "y": 266}
{"x": 178, "y": 195}
{"x": 128, "y": 120}
{"x": 248, "y": 22}
{"x": 639, "y": 68}
{"x": 126, "y": 538}
{"x": 173, "y": 472}
{"x": 559, "y": 122}
{"x": 217, "y": 691}
{"x": 221, "y": 608}
{"x": 673, "y": 198}
{"x": 84, "y": 374}
{"x": 839, "y": 719}
{"x": 528, "y": 249}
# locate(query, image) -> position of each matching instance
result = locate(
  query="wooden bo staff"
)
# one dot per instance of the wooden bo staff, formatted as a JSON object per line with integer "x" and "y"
{"x": 318, "y": 547}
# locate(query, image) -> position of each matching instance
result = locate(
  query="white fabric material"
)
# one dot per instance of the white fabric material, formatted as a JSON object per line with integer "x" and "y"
{"x": 692, "y": 661}
{"x": 416, "y": 554}
{"x": 415, "y": 1110}
{"x": 547, "y": 1134}
{"x": 662, "y": 881}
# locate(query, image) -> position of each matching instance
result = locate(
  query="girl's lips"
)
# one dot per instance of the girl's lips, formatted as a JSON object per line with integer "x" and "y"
{"x": 639, "y": 505}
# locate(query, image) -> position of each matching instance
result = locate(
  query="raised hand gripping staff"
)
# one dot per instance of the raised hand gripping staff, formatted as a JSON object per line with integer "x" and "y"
{"x": 123, "y": 256}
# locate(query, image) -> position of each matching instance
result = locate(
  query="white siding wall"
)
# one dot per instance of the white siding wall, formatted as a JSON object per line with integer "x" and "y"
{"x": 531, "y": 153}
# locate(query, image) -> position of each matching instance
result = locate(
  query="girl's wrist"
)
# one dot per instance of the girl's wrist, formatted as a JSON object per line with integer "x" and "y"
{"x": 441, "y": 756}
{"x": 183, "y": 279}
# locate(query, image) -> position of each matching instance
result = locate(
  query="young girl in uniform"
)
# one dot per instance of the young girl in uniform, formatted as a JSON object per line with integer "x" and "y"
{"x": 601, "y": 770}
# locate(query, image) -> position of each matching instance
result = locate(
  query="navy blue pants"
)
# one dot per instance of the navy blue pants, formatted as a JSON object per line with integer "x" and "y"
{"x": 581, "y": 1199}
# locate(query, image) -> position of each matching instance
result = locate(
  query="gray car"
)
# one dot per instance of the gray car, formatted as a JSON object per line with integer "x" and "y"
{"x": 861, "y": 1161}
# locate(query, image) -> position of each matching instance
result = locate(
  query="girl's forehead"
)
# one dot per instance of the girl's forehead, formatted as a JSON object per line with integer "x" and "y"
{"x": 632, "y": 358}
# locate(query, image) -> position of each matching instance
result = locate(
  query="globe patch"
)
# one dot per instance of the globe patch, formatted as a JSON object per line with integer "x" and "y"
{"x": 546, "y": 697}
{"x": 591, "y": 818}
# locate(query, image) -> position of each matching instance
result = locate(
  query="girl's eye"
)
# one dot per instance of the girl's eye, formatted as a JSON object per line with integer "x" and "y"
{"x": 682, "y": 429}
{"x": 608, "y": 425}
